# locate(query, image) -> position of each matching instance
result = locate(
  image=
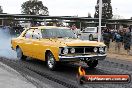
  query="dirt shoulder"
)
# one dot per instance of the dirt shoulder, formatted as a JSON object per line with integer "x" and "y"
{"x": 120, "y": 57}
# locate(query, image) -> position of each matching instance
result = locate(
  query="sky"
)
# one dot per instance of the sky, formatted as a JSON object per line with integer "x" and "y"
{"x": 71, "y": 7}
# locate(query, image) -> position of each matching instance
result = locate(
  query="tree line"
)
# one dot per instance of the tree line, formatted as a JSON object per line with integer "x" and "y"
{"x": 36, "y": 7}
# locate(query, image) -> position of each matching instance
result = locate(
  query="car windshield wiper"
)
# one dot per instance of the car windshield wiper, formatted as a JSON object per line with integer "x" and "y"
{"x": 56, "y": 37}
{"x": 60, "y": 37}
{"x": 70, "y": 37}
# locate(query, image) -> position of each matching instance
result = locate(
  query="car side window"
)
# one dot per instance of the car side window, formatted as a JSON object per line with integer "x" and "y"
{"x": 37, "y": 34}
{"x": 29, "y": 34}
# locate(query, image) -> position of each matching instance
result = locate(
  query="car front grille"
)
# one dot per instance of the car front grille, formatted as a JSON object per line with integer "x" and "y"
{"x": 84, "y": 50}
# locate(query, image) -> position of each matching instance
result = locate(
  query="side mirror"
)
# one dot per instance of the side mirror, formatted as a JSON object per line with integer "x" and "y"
{"x": 39, "y": 37}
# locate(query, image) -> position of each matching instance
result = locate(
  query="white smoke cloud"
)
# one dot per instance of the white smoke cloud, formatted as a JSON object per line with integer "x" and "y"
{"x": 5, "y": 44}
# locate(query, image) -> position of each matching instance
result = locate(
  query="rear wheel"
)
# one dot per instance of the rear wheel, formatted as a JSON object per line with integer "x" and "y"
{"x": 92, "y": 63}
{"x": 51, "y": 63}
{"x": 20, "y": 55}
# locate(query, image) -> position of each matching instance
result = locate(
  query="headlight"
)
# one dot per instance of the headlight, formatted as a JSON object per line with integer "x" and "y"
{"x": 60, "y": 50}
{"x": 101, "y": 49}
{"x": 105, "y": 49}
{"x": 65, "y": 51}
{"x": 95, "y": 49}
{"x": 72, "y": 50}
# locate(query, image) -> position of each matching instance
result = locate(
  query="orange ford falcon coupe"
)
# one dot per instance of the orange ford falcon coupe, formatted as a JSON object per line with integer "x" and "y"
{"x": 57, "y": 44}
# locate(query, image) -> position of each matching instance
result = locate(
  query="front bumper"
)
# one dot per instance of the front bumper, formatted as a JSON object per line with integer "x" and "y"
{"x": 83, "y": 57}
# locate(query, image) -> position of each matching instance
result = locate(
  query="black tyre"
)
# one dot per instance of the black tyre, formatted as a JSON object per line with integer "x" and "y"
{"x": 91, "y": 37}
{"x": 51, "y": 63}
{"x": 20, "y": 55}
{"x": 92, "y": 63}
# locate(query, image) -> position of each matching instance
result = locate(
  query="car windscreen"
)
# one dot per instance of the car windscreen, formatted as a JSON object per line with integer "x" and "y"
{"x": 58, "y": 33}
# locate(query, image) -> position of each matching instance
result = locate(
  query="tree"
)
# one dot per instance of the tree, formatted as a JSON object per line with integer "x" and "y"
{"x": 106, "y": 9}
{"x": 34, "y": 7}
{"x": 1, "y": 10}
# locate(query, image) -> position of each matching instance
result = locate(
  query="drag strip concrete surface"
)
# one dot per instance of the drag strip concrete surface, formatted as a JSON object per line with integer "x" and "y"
{"x": 9, "y": 78}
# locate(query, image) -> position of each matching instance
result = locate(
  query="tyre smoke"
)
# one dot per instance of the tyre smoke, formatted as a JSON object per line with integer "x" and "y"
{"x": 5, "y": 44}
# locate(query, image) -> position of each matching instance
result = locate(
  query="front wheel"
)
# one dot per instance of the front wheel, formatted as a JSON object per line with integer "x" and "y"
{"x": 51, "y": 63}
{"x": 92, "y": 63}
{"x": 20, "y": 55}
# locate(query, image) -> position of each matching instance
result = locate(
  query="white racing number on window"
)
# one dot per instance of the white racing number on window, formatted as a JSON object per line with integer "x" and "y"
{"x": 37, "y": 34}
{"x": 29, "y": 34}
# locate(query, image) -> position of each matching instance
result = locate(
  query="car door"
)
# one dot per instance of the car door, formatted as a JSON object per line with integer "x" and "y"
{"x": 37, "y": 44}
{"x": 28, "y": 44}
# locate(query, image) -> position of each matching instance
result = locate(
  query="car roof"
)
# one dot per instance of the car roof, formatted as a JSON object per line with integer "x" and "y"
{"x": 48, "y": 27}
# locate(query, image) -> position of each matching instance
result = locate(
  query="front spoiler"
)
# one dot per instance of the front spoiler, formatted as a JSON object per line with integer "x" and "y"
{"x": 83, "y": 57}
